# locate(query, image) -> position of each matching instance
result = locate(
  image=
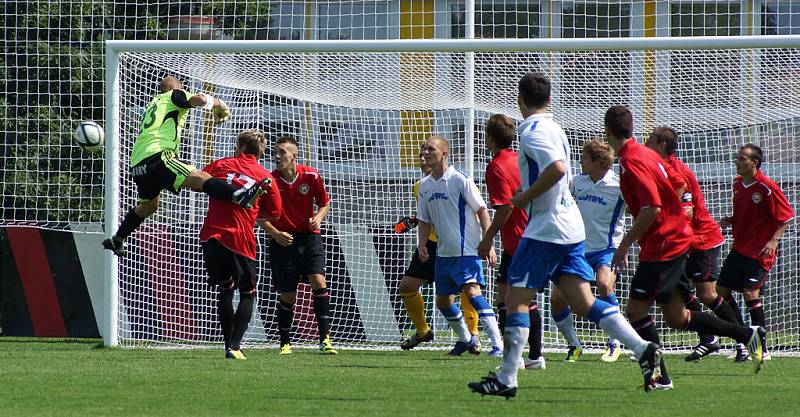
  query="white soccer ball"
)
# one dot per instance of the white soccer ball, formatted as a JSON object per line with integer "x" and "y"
{"x": 89, "y": 136}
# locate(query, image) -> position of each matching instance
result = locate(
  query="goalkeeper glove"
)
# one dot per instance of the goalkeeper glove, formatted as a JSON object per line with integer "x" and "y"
{"x": 405, "y": 224}
{"x": 221, "y": 113}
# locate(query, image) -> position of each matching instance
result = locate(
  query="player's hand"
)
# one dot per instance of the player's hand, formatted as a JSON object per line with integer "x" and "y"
{"x": 769, "y": 249}
{"x": 422, "y": 251}
{"x": 405, "y": 224}
{"x": 620, "y": 259}
{"x": 284, "y": 239}
{"x": 313, "y": 224}
{"x": 517, "y": 201}
{"x": 484, "y": 247}
{"x": 222, "y": 113}
{"x": 492, "y": 257}
{"x": 725, "y": 222}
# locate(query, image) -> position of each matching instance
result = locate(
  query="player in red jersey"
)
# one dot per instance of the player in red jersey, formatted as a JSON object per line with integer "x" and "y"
{"x": 502, "y": 182}
{"x": 702, "y": 265}
{"x": 228, "y": 241}
{"x": 650, "y": 189}
{"x": 761, "y": 214}
{"x": 296, "y": 251}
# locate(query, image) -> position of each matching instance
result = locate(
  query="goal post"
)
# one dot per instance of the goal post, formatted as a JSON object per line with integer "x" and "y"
{"x": 347, "y": 103}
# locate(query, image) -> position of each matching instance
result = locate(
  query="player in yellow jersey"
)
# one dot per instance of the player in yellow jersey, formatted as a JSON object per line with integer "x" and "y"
{"x": 155, "y": 165}
{"x": 420, "y": 273}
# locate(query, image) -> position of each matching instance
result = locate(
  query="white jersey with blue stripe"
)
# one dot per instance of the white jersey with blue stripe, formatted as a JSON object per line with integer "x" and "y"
{"x": 450, "y": 204}
{"x": 602, "y": 209}
{"x": 553, "y": 216}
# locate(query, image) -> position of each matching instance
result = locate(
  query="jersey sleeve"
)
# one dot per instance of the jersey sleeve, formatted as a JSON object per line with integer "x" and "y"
{"x": 210, "y": 168}
{"x": 271, "y": 205}
{"x": 543, "y": 150}
{"x": 498, "y": 186}
{"x": 471, "y": 195}
{"x": 646, "y": 190}
{"x": 321, "y": 194}
{"x": 779, "y": 205}
{"x": 181, "y": 98}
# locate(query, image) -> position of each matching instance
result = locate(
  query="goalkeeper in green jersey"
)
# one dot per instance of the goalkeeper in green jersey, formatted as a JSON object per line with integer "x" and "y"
{"x": 155, "y": 165}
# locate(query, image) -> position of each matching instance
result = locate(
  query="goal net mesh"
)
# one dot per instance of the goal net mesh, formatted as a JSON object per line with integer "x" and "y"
{"x": 360, "y": 118}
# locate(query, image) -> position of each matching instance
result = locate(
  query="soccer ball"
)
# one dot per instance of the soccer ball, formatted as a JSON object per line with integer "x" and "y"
{"x": 89, "y": 136}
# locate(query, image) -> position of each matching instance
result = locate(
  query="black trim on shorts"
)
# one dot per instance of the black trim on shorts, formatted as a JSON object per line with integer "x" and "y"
{"x": 658, "y": 280}
{"x": 703, "y": 266}
{"x": 227, "y": 269}
{"x": 292, "y": 264}
{"x": 423, "y": 270}
{"x": 740, "y": 272}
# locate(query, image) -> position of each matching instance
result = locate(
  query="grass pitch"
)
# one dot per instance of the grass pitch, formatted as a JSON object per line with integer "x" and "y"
{"x": 74, "y": 378}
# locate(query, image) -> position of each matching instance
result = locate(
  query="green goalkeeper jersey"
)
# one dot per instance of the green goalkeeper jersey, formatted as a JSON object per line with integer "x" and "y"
{"x": 162, "y": 125}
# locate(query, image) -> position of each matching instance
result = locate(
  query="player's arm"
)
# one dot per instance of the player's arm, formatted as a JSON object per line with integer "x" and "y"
{"x": 483, "y": 218}
{"x": 772, "y": 245}
{"x": 501, "y": 215}
{"x": 782, "y": 212}
{"x": 550, "y": 177}
{"x": 422, "y": 238}
{"x": 283, "y": 238}
{"x": 219, "y": 108}
{"x": 645, "y": 219}
{"x": 315, "y": 222}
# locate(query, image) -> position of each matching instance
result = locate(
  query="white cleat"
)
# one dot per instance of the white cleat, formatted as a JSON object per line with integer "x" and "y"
{"x": 534, "y": 364}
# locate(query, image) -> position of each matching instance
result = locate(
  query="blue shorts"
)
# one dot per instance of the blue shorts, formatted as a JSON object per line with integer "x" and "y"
{"x": 537, "y": 262}
{"x": 453, "y": 272}
{"x": 600, "y": 258}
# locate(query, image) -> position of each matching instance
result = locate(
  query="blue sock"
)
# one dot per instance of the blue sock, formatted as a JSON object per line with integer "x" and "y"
{"x": 611, "y": 299}
{"x": 481, "y": 306}
{"x": 562, "y": 314}
{"x": 600, "y": 310}
{"x": 518, "y": 320}
{"x": 452, "y": 313}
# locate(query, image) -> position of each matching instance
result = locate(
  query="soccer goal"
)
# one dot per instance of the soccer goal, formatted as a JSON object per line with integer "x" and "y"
{"x": 360, "y": 110}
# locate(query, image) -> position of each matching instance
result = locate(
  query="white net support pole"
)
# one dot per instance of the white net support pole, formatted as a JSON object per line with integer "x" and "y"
{"x": 110, "y": 319}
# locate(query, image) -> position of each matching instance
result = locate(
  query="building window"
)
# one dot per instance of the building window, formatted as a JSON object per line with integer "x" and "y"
{"x": 780, "y": 18}
{"x": 706, "y": 19}
{"x": 596, "y": 20}
{"x": 363, "y": 20}
{"x": 497, "y": 20}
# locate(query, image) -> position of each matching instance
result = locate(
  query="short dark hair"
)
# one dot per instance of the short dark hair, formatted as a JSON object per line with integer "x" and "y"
{"x": 502, "y": 130}
{"x": 534, "y": 88}
{"x": 286, "y": 139}
{"x": 666, "y": 135}
{"x": 252, "y": 142}
{"x": 756, "y": 154}
{"x": 619, "y": 121}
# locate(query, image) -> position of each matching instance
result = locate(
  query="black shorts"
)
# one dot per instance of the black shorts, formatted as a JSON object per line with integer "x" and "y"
{"x": 228, "y": 269}
{"x": 502, "y": 272}
{"x": 162, "y": 171}
{"x": 293, "y": 264}
{"x": 657, "y": 280}
{"x": 740, "y": 272}
{"x": 423, "y": 270}
{"x": 703, "y": 266}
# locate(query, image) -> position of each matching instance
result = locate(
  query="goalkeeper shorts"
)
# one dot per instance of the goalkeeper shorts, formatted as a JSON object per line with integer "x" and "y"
{"x": 162, "y": 171}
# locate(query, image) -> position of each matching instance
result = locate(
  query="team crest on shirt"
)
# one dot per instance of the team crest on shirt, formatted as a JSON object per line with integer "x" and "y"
{"x": 757, "y": 198}
{"x": 303, "y": 189}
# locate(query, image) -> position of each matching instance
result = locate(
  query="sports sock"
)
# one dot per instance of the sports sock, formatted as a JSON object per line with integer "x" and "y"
{"x": 736, "y": 310}
{"x": 501, "y": 316}
{"x": 218, "y": 188}
{"x": 487, "y": 317}
{"x": 285, "y": 313}
{"x": 646, "y": 328}
{"x": 566, "y": 325}
{"x": 470, "y": 315}
{"x": 723, "y": 310}
{"x": 130, "y": 223}
{"x": 698, "y": 321}
{"x": 415, "y": 306}
{"x": 322, "y": 309}
{"x": 608, "y": 318}
{"x": 456, "y": 321}
{"x": 693, "y": 304}
{"x": 516, "y": 334}
{"x": 241, "y": 320}
{"x": 611, "y": 299}
{"x": 225, "y": 314}
{"x": 535, "y": 336}
{"x": 756, "y": 309}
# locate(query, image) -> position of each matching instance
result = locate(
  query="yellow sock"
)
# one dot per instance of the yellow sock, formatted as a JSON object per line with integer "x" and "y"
{"x": 470, "y": 315}
{"x": 415, "y": 306}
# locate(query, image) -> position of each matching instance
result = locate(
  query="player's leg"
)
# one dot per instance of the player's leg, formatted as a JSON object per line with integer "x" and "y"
{"x": 217, "y": 260}
{"x": 606, "y": 280}
{"x": 500, "y": 304}
{"x": 535, "y": 360}
{"x": 470, "y": 318}
{"x": 562, "y": 315}
{"x": 417, "y": 274}
{"x": 285, "y": 278}
{"x": 752, "y": 298}
{"x": 485, "y": 312}
{"x": 732, "y": 278}
{"x": 446, "y": 268}
{"x": 246, "y": 278}
{"x": 312, "y": 265}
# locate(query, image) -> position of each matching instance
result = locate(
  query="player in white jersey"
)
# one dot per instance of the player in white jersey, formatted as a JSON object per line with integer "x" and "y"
{"x": 597, "y": 194}
{"x": 552, "y": 247}
{"x": 449, "y": 200}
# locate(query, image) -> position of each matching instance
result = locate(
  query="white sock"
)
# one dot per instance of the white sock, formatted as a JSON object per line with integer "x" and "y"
{"x": 461, "y": 330}
{"x": 490, "y": 326}
{"x": 612, "y": 341}
{"x": 617, "y": 327}
{"x": 567, "y": 329}
{"x": 515, "y": 338}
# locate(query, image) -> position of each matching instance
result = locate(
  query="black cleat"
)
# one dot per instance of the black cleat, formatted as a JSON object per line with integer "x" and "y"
{"x": 114, "y": 246}
{"x": 649, "y": 363}
{"x": 702, "y": 350}
{"x": 489, "y": 385}
{"x": 741, "y": 355}
{"x": 246, "y": 197}
{"x": 414, "y": 340}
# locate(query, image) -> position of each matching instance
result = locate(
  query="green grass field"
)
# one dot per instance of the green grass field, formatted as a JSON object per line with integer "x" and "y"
{"x": 74, "y": 378}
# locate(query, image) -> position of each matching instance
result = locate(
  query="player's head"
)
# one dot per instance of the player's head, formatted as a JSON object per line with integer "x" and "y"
{"x": 749, "y": 159}
{"x": 251, "y": 142}
{"x": 426, "y": 170}
{"x": 618, "y": 124}
{"x": 434, "y": 152}
{"x": 596, "y": 157}
{"x": 534, "y": 92}
{"x": 500, "y": 132}
{"x": 663, "y": 140}
{"x": 170, "y": 83}
{"x": 286, "y": 151}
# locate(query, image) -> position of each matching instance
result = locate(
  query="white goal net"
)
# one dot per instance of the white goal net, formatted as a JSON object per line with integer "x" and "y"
{"x": 360, "y": 117}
